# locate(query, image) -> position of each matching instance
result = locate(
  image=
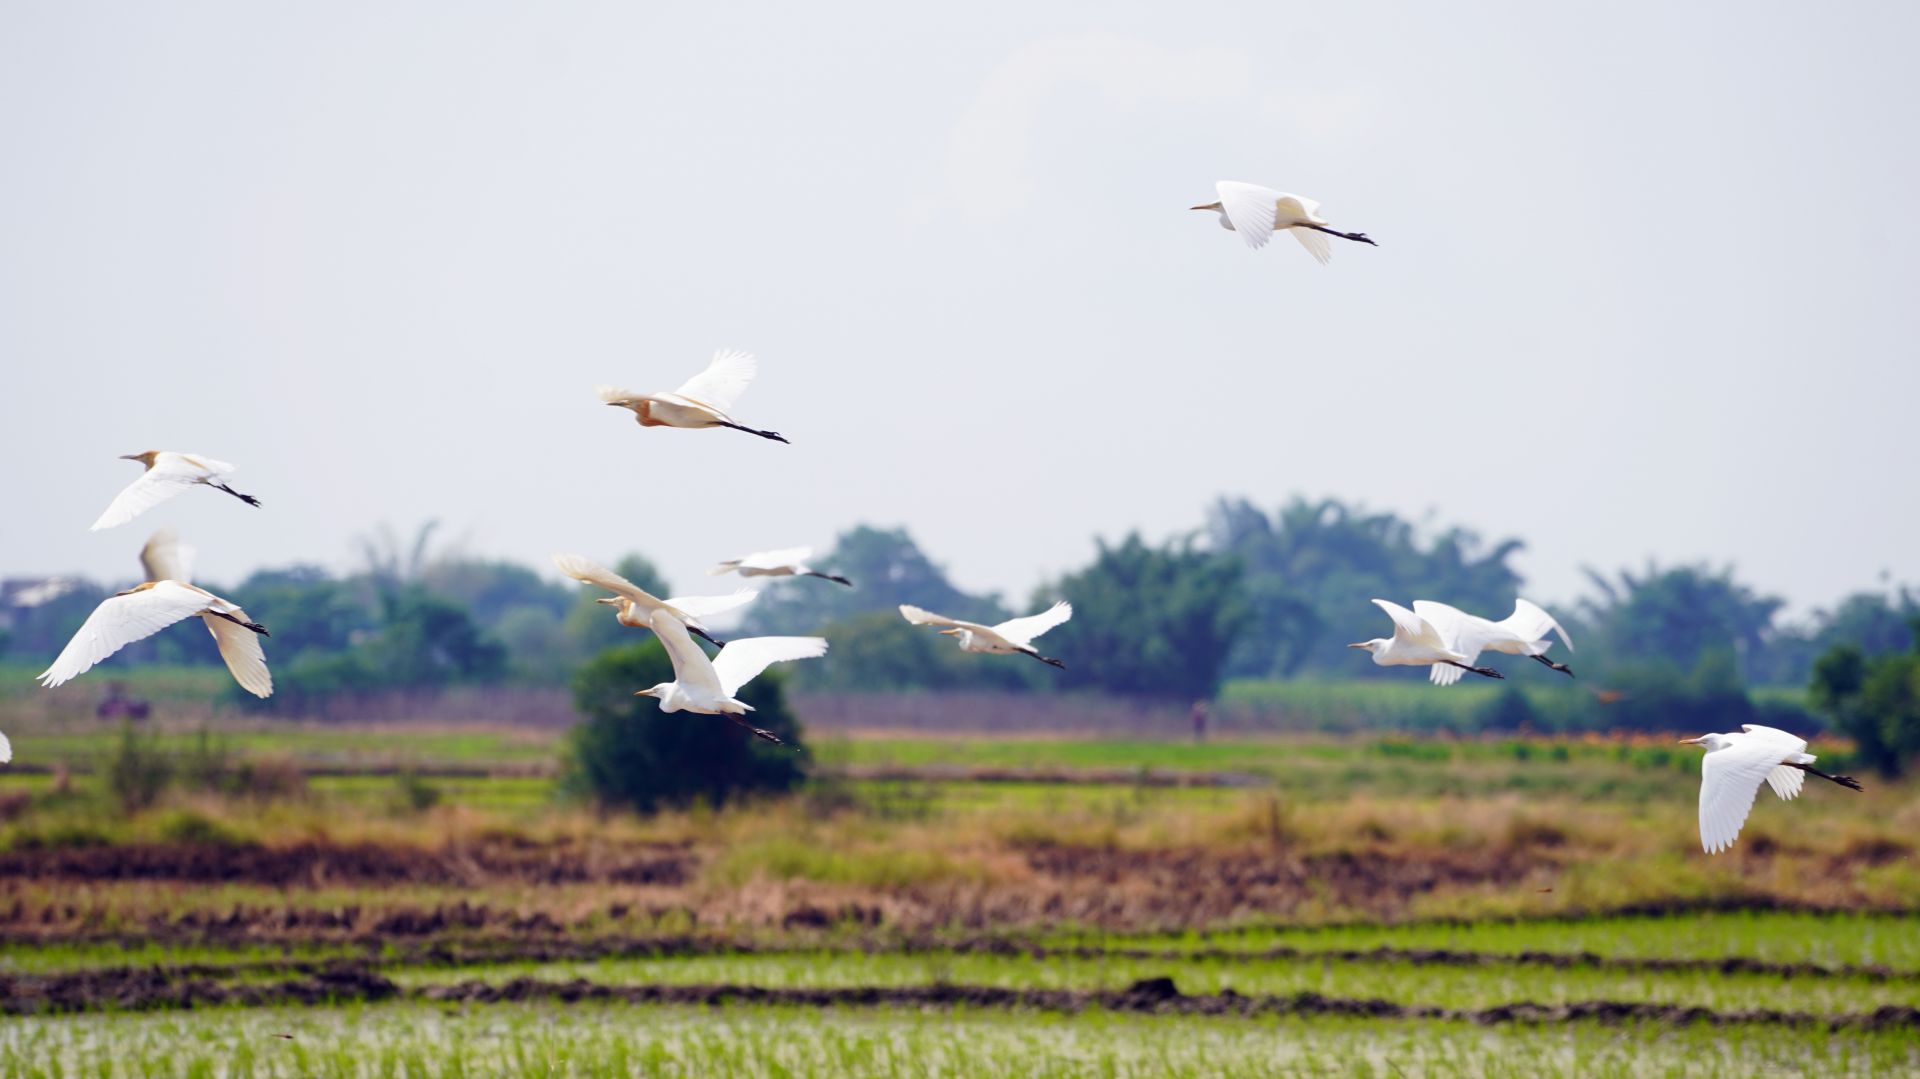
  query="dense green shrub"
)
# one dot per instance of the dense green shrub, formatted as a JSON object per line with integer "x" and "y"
{"x": 629, "y": 753}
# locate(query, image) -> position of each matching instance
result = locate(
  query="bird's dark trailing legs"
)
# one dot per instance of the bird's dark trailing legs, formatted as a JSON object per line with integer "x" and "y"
{"x": 775, "y": 435}
{"x": 1048, "y": 660}
{"x": 1356, "y": 237}
{"x": 707, "y": 637}
{"x": 834, "y": 577}
{"x": 254, "y": 626}
{"x": 1561, "y": 667}
{"x": 757, "y": 732}
{"x": 1487, "y": 671}
{"x": 1848, "y": 782}
{"x": 248, "y": 499}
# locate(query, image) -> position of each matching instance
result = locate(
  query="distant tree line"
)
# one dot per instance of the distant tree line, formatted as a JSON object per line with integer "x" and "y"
{"x": 1249, "y": 594}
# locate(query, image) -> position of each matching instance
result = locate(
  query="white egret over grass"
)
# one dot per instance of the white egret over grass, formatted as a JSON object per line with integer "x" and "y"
{"x": 1522, "y": 633}
{"x": 1734, "y": 767}
{"x": 1007, "y": 638}
{"x": 634, "y": 606}
{"x": 1256, "y": 213}
{"x": 146, "y": 609}
{"x": 1415, "y": 643}
{"x": 167, "y": 475}
{"x": 791, "y": 562}
{"x": 702, "y": 401}
{"x": 709, "y": 686}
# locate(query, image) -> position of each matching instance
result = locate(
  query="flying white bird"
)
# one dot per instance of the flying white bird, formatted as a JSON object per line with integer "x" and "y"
{"x": 1013, "y": 635}
{"x": 708, "y": 686}
{"x": 702, "y": 401}
{"x": 165, "y": 558}
{"x": 1415, "y": 643}
{"x": 1256, "y": 213}
{"x": 167, "y": 475}
{"x": 791, "y": 562}
{"x": 6, "y": 750}
{"x": 1522, "y": 633}
{"x": 1734, "y": 767}
{"x": 633, "y": 605}
{"x": 146, "y": 609}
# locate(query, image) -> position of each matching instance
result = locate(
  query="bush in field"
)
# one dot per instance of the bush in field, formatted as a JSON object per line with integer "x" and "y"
{"x": 630, "y": 753}
{"x": 1876, "y": 702}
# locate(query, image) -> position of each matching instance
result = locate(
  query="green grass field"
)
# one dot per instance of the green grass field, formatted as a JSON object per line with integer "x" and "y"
{"x": 1386, "y": 900}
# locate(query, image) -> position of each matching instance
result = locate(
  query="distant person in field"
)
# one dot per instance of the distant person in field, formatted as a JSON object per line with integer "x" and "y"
{"x": 1198, "y": 717}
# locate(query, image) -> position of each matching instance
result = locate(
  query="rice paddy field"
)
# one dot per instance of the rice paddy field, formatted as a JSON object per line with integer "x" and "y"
{"x": 420, "y": 900}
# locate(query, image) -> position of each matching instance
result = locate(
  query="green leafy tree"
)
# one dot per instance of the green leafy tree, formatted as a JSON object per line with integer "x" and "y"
{"x": 1676, "y": 617}
{"x": 427, "y": 641}
{"x": 1873, "y": 700}
{"x": 307, "y": 610}
{"x": 629, "y": 753}
{"x": 1148, "y": 621}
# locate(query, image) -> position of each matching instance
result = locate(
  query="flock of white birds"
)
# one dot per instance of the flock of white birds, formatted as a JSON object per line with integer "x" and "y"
{"x": 1444, "y": 639}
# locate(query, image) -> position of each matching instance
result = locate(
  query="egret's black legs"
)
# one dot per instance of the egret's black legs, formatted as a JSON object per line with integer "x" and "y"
{"x": 1551, "y": 665}
{"x": 1488, "y": 672}
{"x": 1356, "y": 237}
{"x": 757, "y": 732}
{"x": 775, "y": 435}
{"x": 1848, "y": 782}
{"x": 248, "y": 499}
{"x": 1048, "y": 660}
{"x": 707, "y": 637}
{"x": 834, "y": 577}
{"x": 254, "y": 626}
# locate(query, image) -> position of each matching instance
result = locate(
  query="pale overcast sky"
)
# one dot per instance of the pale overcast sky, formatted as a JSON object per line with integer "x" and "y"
{"x": 1645, "y": 285}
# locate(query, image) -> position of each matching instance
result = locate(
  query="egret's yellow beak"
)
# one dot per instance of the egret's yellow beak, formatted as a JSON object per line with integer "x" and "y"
{"x": 129, "y": 457}
{"x": 949, "y": 633}
{"x": 1690, "y": 741}
{"x": 1358, "y": 644}
{"x": 611, "y": 601}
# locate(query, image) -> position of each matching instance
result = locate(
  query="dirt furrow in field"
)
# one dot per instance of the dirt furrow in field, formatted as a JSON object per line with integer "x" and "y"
{"x": 387, "y": 955}
{"x": 133, "y": 990}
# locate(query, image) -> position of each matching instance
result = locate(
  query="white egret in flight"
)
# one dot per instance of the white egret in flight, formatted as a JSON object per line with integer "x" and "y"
{"x": 633, "y": 605}
{"x": 6, "y": 750}
{"x": 1415, "y": 643}
{"x": 1734, "y": 767}
{"x": 146, "y": 609}
{"x": 1522, "y": 633}
{"x": 167, "y": 475}
{"x": 708, "y": 686}
{"x": 702, "y": 401}
{"x": 1007, "y": 638}
{"x": 1256, "y": 213}
{"x": 791, "y": 562}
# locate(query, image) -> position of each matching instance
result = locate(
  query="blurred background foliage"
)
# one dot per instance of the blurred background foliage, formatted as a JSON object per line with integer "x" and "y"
{"x": 1250, "y": 596}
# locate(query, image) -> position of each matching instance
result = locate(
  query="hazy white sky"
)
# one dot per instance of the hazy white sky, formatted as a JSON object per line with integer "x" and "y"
{"x": 1646, "y": 283}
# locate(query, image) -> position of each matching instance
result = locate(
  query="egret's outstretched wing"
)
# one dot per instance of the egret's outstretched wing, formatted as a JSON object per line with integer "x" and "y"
{"x": 789, "y": 556}
{"x": 119, "y": 621}
{"x": 741, "y": 661}
{"x": 165, "y": 558}
{"x": 703, "y": 607}
{"x": 6, "y": 750}
{"x": 920, "y": 616}
{"x": 240, "y": 647}
{"x": 691, "y": 668}
{"x": 1529, "y": 623}
{"x": 1786, "y": 782}
{"x": 1730, "y": 777}
{"x": 587, "y": 571}
{"x": 1788, "y": 742}
{"x": 168, "y": 477}
{"x": 724, "y": 380}
{"x": 1251, "y": 208}
{"x": 1315, "y": 243}
{"x": 1022, "y": 631}
{"x": 1410, "y": 627}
